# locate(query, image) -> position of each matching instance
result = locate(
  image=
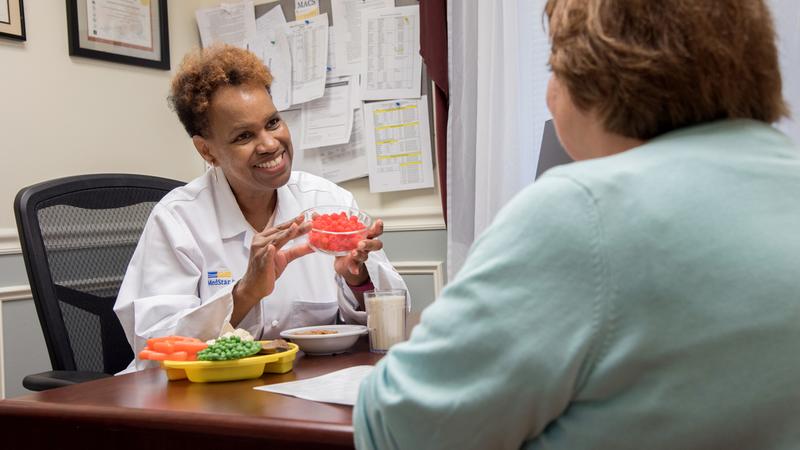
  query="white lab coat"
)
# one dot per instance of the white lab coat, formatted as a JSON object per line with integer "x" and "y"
{"x": 196, "y": 245}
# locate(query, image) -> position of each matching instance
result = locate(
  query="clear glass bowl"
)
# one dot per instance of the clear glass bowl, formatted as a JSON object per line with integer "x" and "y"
{"x": 323, "y": 237}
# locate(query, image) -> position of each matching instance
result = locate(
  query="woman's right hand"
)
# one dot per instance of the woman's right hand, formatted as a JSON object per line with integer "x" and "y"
{"x": 267, "y": 261}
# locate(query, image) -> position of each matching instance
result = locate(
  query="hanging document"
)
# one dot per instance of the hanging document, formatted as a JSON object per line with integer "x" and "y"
{"x": 339, "y": 162}
{"x": 305, "y": 9}
{"x": 347, "y": 18}
{"x": 398, "y": 145}
{"x": 231, "y": 23}
{"x": 332, "y": 71}
{"x": 392, "y": 66}
{"x": 272, "y": 46}
{"x": 328, "y": 120}
{"x": 308, "y": 41}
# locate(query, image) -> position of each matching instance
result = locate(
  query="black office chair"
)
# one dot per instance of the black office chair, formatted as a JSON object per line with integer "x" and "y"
{"x": 78, "y": 235}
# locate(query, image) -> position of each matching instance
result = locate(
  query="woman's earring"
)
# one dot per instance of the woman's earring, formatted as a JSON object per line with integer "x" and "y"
{"x": 214, "y": 170}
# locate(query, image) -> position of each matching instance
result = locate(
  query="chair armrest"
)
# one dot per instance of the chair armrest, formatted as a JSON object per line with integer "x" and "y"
{"x": 57, "y": 378}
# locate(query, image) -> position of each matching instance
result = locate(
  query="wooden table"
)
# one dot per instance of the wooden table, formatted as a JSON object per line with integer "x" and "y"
{"x": 145, "y": 411}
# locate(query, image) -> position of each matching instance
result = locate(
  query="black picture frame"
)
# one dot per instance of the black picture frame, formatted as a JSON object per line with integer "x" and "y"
{"x": 13, "y": 26}
{"x": 100, "y": 47}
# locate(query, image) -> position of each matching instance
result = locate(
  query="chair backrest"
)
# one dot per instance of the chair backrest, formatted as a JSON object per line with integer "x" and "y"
{"x": 78, "y": 235}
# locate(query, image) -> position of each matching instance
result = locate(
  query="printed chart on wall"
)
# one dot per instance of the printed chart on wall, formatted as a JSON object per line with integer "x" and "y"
{"x": 398, "y": 145}
{"x": 346, "y": 79}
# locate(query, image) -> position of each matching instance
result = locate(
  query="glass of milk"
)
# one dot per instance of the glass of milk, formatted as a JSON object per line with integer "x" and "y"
{"x": 386, "y": 318}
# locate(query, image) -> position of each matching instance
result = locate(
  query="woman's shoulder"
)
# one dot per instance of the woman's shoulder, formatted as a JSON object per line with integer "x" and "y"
{"x": 188, "y": 192}
{"x": 187, "y": 201}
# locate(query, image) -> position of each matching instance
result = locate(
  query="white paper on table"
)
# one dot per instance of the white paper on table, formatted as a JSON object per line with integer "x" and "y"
{"x": 347, "y": 20}
{"x": 121, "y": 22}
{"x": 308, "y": 41}
{"x": 337, "y": 163}
{"x": 328, "y": 120}
{"x": 339, "y": 387}
{"x": 398, "y": 145}
{"x": 304, "y": 9}
{"x": 231, "y": 23}
{"x": 392, "y": 65}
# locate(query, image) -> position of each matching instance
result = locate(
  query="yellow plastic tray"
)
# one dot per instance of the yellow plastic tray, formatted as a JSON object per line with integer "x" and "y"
{"x": 237, "y": 369}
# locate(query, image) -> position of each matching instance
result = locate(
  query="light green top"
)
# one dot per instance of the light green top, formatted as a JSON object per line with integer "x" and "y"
{"x": 647, "y": 300}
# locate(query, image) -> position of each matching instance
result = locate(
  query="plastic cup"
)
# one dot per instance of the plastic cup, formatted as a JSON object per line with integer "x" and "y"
{"x": 386, "y": 318}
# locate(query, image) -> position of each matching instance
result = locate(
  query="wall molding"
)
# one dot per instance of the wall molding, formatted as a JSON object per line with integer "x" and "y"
{"x": 2, "y": 358}
{"x": 432, "y": 268}
{"x": 18, "y": 292}
{"x": 9, "y": 242}
{"x": 394, "y": 219}
{"x": 410, "y": 218}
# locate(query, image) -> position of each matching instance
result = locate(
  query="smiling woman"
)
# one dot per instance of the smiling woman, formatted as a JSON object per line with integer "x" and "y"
{"x": 224, "y": 223}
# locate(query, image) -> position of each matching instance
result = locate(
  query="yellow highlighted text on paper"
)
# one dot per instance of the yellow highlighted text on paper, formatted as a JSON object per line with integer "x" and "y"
{"x": 399, "y": 125}
{"x": 394, "y": 109}
{"x": 400, "y": 155}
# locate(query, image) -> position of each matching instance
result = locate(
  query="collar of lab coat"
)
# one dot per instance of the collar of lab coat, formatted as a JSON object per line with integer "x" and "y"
{"x": 231, "y": 219}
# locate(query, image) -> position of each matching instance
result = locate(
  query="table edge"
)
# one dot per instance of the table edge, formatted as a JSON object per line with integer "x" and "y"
{"x": 184, "y": 421}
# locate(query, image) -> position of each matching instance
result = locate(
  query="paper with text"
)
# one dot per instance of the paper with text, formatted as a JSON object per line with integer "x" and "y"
{"x": 398, "y": 145}
{"x": 291, "y": 118}
{"x": 272, "y": 46}
{"x": 392, "y": 65}
{"x": 271, "y": 20}
{"x": 337, "y": 163}
{"x": 331, "y": 68}
{"x": 308, "y": 41}
{"x": 328, "y": 120}
{"x": 339, "y": 387}
{"x": 304, "y": 9}
{"x": 230, "y": 23}
{"x": 347, "y": 19}
{"x": 118, "y": 22}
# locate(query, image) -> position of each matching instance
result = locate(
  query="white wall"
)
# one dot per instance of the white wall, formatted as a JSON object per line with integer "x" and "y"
{"x": 62, "y": 115}
{"x": 786, "y": 14}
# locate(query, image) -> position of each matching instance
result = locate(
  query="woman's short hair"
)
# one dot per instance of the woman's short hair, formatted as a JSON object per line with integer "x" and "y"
{"x": 204, "y": 71}
{"x": 647, "y": 67}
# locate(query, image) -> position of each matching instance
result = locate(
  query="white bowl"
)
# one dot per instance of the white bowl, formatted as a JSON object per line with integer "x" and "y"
{"x": 325, "y": 344}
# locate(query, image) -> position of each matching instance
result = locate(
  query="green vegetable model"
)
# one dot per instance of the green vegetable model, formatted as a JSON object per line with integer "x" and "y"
{"x": 228, "y": 348}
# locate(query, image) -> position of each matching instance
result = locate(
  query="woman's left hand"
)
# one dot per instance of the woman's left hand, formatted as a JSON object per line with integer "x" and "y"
{"x": 351, "y": 265}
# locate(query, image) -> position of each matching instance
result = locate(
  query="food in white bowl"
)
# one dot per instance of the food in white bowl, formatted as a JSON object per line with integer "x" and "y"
{"x": 325, "y": 339}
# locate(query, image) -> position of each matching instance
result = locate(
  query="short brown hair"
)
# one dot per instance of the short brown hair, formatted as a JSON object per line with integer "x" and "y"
{"x": 651, "y": 66}
{"x": 204, "y": 71}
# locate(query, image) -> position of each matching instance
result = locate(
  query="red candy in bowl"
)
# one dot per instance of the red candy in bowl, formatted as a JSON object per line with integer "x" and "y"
{"x": 336, "y": 230}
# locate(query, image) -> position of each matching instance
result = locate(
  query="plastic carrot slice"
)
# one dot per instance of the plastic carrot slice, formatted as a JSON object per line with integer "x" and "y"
{"x": 162, "y": 346}
{"x": 151, "y": 355}
{"x": 178, "y": 356}
{"x": 189, "y": 346}
{"x": 153, "y": 340}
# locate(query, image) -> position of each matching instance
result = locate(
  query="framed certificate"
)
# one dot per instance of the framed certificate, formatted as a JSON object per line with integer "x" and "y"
{"x": 124, "y": 31}
{"x": 12, "y": 19}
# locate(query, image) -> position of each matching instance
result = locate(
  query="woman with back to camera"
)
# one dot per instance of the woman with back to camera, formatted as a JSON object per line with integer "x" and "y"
{"x": 645, "y": 297}
{"x": 212, "y": 251}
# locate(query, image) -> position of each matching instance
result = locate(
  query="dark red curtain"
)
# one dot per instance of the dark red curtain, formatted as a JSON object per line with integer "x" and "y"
{"x": 433, "y": 48}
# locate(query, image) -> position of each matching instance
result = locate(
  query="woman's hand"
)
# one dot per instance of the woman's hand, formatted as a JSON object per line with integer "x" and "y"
{"x": 267, "y": 262}
{"x": 351, "y": 266}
